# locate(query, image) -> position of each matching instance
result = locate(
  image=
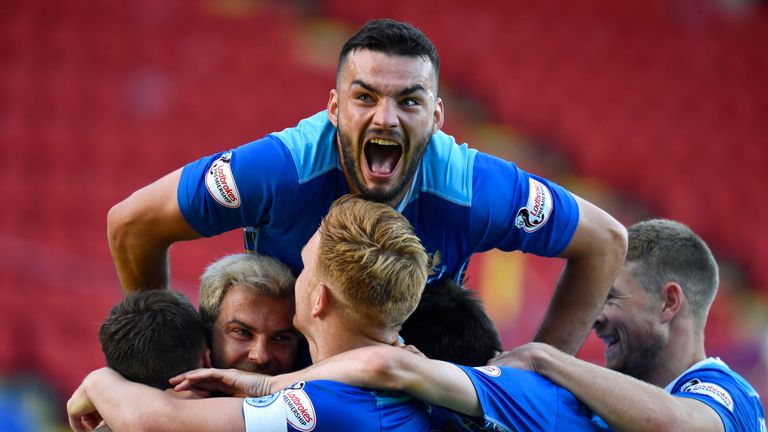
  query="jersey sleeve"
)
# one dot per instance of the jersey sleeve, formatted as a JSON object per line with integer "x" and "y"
{"x": 514, "y": 399}
{"x": 516, "y": 210}
{"x": 730, "y": 396}
{"x": 325, "y": 406}
{"x": 237, "y": 188}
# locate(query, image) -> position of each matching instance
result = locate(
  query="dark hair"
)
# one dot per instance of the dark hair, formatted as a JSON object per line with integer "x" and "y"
{"x": 152, "y": 336}
{"x": 450, "y": 324}
{"x": 668, "y": 251}
{"x": 391, "y": 37}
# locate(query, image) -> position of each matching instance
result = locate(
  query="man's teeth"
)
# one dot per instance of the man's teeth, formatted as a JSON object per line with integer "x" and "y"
{"x": 385, "y": 142}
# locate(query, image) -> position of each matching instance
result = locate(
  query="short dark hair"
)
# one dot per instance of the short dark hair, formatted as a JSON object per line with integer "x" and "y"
{"x": 391, "y": 37}
{"x": 152, "y": 336}
{"x": 450, "y": 324}
{"x": 668, "y": 251}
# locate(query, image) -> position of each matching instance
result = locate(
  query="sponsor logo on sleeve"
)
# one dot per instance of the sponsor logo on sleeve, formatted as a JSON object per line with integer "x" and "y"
{"x": 299, "y": 410}
{"x": 297, "y": 386}
{"x": 536, "y": 212}
{"x": 221, "y": 183}
{"x": 712, "y": 390}
{"x": 489, "y": 370}
{"x": 263, "y": 401}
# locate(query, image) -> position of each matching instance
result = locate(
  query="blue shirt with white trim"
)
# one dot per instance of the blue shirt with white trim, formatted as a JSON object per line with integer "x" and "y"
{"x": 519, "y": 400}
{"x": 712, "y": 382}
{"x": 461, "y": 201}
{"x": 330, "y": 406}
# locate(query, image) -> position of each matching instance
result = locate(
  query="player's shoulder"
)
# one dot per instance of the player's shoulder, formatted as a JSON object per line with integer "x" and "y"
{"x": 709, "y": 375}
{"x": 504, "y": 375}
{"x": 447, "y": 169}
{"x": 714, "y": 383}
{"x": 311, "y": 145}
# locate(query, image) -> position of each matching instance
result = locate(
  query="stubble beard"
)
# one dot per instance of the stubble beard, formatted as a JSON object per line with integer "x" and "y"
{"x": 385, "y": 196}
{"x": 642, "y": 360}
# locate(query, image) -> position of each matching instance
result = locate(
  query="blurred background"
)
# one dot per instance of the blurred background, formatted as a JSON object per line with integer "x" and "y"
{"x": 649, "y": 108}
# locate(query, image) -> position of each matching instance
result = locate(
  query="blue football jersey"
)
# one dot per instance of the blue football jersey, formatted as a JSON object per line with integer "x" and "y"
{"x": 461, "y": 201}
{"x": 518, "y": 400}
{"x": 330, "y": 406}
{"x": 712, "y": 382}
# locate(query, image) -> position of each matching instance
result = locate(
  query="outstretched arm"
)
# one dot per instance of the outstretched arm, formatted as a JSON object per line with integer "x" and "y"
{"x": 623, "y": 402}
{"x": 594, "y": 256}
{"x": 383, "y": 367}
{"x": 141, "y": 228}
{"x": 125, "y": 405}
{"x": 392, "y": 368}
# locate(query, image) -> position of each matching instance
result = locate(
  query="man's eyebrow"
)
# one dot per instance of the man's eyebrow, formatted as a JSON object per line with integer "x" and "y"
{"x": 365, "y": 85}
{"x": 412, "y": 89}
{"x": 237, "y": 321}
{"x": 406, "y": 91}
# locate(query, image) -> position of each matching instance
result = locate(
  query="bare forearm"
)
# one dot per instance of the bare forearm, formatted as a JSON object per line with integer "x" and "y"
{"x": 580, "y": 293}
{"x": 390, "y": 368}
{"x": 109, "y": 393}
{"x": 360, "y": 367}
{"x": 139, "y": 264}
{"x": 127, "y": 406}
{"x": 623, "y": 402}
{"x": 140, "y": 230}
{"x": 594, "y": 255}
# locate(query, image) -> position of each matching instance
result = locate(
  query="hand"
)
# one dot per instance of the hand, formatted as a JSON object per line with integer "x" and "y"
{"x": 81, "y": 411}
{"x": 522, "y": 357}
{"x": 230, "y": 381}
{"x": 400, "y": 344}
{"x": 193, "y": 393}
{"x": 413, "y": 349}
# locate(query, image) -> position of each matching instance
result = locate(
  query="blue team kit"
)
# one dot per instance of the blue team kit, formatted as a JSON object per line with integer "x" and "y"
{"x": 461, "y": 201}
{"x": 712, "y": 382}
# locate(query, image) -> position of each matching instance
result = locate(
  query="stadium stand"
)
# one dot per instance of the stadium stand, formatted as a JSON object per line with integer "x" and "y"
{"x": 662, "y": 102}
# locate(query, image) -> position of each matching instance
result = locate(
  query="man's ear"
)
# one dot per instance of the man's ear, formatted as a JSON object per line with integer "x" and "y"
{"x": 321, "y": 300}
{"x": 672, "y": 298}
{"x": 206, "y": 358}
{"x": 333, "y": 108}
{"x": 439, "y": 115}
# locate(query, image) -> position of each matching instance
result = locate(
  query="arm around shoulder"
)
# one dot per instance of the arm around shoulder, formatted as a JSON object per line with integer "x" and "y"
{"x": 391, "y": 368}
{"x": 623, "y": 402}
{"x": 128, "y": 406}
{"x": 140, "y": 230}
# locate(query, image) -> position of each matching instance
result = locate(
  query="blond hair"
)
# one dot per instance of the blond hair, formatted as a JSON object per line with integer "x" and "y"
{"x": 375, "y": 263}
{"x": 261, "y": 274}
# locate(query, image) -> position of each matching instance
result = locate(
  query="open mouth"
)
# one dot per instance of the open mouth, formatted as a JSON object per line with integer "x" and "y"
{"x": 382, "y": 156}
{"x": 610, "y": 341}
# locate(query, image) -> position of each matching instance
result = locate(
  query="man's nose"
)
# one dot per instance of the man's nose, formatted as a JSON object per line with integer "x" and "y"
{"x": 600, "y": 320}
{"x": 385, "y": 116}
{"x": 259, "y": 353}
